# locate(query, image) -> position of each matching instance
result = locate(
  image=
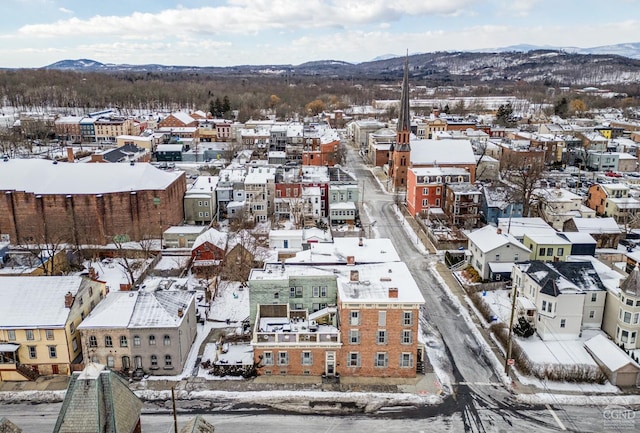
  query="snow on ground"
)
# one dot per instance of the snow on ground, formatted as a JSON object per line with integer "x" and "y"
{"x": 409, "y": 231}
{"x": 236, "y": 354}
{"x": 168, "y": 263}
{"x": 230, "y": 303}
{"x": 112, "y": 271}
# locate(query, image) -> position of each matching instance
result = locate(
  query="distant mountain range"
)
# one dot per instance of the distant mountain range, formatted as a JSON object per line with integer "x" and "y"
{"x": 599, "y": 66}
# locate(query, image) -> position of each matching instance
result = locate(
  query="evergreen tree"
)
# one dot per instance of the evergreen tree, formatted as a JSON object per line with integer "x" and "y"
{"x": 561, "y": 108}
{"x": 226, "y": 106}
{"x": 504, "y": 116}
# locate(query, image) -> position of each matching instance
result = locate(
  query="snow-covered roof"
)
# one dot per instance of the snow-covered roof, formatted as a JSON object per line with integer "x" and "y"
{"x": 212, "y": 236}
{"x": 135, "y": 137}
{"x": 445, "y": 151}
{"x": 140, "y": 309}
{"x": 169, "y": 148}
{"x": 439, "y": 171}
{"x": 183, "y": 117}
{"x": 204, "y": 184}
{"x": 371, "y": 251}
{"x": 501, "y": 267}
{"x": 597, "y": 225}
{"x": 488, "y": 239}
{"x": 347, "y": 205}
{"x": 39, "y": 176}
{"x": 518, "y": 227}
{"x": 185, "y": 229}
{"x": 608, "y": 353}
{"x": 557, "y": 278}
{"x": 374, "y": 284}
{"x": 554, "y": 195}
{"x": 578, "y": 238}
{"x": 547, "y": 239}
{"x": 32, "y": 302}
{"x": 260, "y": 175}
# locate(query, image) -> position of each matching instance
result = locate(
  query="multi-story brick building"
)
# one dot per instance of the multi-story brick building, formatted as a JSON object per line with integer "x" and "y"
{"x": 87, "y": 203}
{"x": 425, "y": 186}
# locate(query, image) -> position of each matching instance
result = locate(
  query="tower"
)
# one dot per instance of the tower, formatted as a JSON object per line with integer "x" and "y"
{"x": 400, "y": 153}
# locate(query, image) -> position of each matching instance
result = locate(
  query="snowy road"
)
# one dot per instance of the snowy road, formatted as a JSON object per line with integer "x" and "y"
{"x": 482, "y": 403}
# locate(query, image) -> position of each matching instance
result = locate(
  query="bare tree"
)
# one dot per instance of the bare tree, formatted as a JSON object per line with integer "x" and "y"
{"x": 523, "y": 174}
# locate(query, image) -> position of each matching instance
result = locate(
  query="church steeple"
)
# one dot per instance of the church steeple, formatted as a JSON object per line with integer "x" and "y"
{"x": 400, "y": 153}
{"x": 404, "y": 119}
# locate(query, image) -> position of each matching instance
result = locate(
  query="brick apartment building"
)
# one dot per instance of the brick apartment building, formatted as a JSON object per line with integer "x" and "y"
{"x": 44, "y": 201}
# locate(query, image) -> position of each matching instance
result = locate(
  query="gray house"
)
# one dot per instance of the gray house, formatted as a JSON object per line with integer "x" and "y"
{"x": 137, "y": 332}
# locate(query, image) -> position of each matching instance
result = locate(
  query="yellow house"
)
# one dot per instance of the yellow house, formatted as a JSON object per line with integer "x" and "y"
{"x": 39, "y": 317}
{"x": 143, "y": 142}
{"x": 547, "y": 247}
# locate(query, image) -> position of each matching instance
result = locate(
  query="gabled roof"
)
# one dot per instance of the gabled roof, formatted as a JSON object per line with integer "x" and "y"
{"x": 488, "y": 239}
{"x": 97, "y": 400}
{"x": 555, "y": 278}
{"x": 608, "y": 353}
{"x": 212, "y": 236}
{"x": 597, "y": 225}
{"x": 30, "y": 302}
{"x": 197, "y": 424}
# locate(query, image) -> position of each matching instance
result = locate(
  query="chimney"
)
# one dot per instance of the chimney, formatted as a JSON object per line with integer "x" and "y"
{"x": 360, "y": 242}
{"x": 70, "y": 155}
{"x": 92, "y": 273}
{"x": 68, "y": 300}
{"x": 354, "y": 276}
{"x": 351, "y": 260}
{"x": 180, "y": 312}
{"x": 499, "y": 231}
{"x": 393, "y": 292}
{"x": 125, "y": 287}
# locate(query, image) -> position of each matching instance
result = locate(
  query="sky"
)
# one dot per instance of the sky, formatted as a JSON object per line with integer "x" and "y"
{"x": 36, "y": 33}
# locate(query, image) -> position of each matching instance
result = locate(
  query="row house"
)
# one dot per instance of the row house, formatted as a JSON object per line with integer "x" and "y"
{"x": 552, "y": 145}
{"x": 605, "y": 231}
{"x": 321, "y": 150}
{"x": 613, "y": 200}
{"x": 255, "y": 137}
{"x": 611, "y": 161}
{"x": 462, "y": 204}
{"x": 230, "y": 191}
{"x": 200, "y": 201}
{"x": 146, "y": 332}
{"x": 343, "y": 203}
{"x": 67, "y": 129}
{"x": 561, "y": 299}
{"x": 425, "y": 186}
{"x": 39, "y": 320}
{"x": 428, "y": 128}
{"x": 622, "y": 312}
{"x": 107, "y": 129}
{"x": 88, "y": 129}
{"x": 338, "y": 320}
{"x": 37, "y": 125}
{"x": 259, "y": 187}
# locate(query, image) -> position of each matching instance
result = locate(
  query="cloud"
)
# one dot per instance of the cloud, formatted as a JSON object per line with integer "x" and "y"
{"x": 66, "y": 11}
{"x": 519, "y": 8}
{"x": 249, "y": 16}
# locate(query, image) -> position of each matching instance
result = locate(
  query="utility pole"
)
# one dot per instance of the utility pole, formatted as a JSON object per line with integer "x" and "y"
{"x": 175, "y": 417}
{"x": 513, "y": 313}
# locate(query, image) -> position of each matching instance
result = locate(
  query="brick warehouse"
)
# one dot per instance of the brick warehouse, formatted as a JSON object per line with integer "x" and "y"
{"x": 44, "y": 201}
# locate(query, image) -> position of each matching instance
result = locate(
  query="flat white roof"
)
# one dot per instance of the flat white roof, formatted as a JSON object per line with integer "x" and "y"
{"x": 41, "y": 176}
{"x": 445, "y": 151}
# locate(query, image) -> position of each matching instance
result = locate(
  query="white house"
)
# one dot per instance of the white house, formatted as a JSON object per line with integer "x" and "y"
{"x": 568, "y": 297}
{"x": 559, "y": 205}
{"x": 489, "y": 246}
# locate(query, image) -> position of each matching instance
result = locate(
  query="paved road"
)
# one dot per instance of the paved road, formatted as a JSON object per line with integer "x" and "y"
{"x": 481, "y": 402}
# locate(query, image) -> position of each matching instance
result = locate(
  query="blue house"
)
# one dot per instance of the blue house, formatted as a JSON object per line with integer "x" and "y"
{"x": 497, "y": 202}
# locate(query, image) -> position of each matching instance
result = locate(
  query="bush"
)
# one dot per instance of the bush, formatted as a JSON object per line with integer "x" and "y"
{"x": 470, "y": 274}
{"x": 523, "y": 328}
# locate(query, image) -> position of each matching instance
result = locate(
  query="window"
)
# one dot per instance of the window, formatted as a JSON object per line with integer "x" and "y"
{"x": 49, "y": 334}
{"x": 167, "y": 361}
{"x": 406, "y": 360}
{"x": 592, "y": 314}
{"x": 425, "y": 191}
{"x": 29, "y": 333}
{"x": 407, "y": 336}
{"x": 381, "y": 336}
{"x": 107, "y": 341}
{"x": 629, "y": 302}
{"x": 544, "y": 305}
{"x": 110, "y": 361}
{"x": 283, "y": 358}
{"x": 167, "y": 340}
{"x": 354, "y": 359}
{"x": 323, "y": 291}
{"x": 425, "y": 202}
{"x": 276, "y": 295}
{"x": 136, "y": 340}
{"x": 355, "y": 318}
{"x": 93, "y": 341}
{"x": 626, "y": 318}
{"x": 316, "y": 292}
{"x": 380, "y": 359}
{"x": 407, "y": 318}
{"x": 74, "y": 344}
{"x": 32, "y": 352}
{"x": 625, "y": 336}
{"x": 382, "y": 318}
{"x": 154, "y": 361}
{"x": 549, "y": 252}
{"x": 516, "y": 257}
{"x": 354, "y": 336}
{"x": 594, "y": 297}
{"x": 123, "y": 341}
{"x": 497, "y": 257}
{"x": 152, "y": 340}
{"x": 561, "y": 251}
{"x": 542, "y": 252}
{"x": 53, "y": 353}
{"x": 267, "y": 358}
{"x": 307, "y": 358}
{"x": 563, "y": 323}
{"x": 295, "y": 292}
{"x": 11, "y": 335}
{"x": 636, "y": 317}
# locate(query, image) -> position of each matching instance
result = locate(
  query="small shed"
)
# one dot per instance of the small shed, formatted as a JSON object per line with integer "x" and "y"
{"x": 620, "y": 369}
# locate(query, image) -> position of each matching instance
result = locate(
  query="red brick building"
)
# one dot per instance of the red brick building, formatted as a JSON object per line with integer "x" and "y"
{"x": 426, "y": 186}
{"x": 178, "y": 120}
{"x": 44, "y": 201}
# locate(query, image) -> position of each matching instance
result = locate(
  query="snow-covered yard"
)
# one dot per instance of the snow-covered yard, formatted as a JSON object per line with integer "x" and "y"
{"x": 230, "y": 303}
